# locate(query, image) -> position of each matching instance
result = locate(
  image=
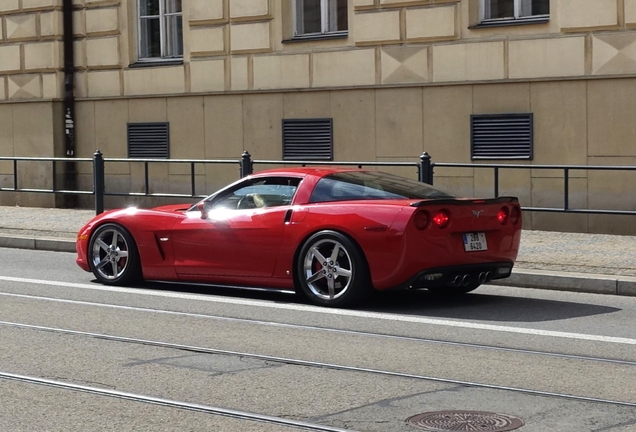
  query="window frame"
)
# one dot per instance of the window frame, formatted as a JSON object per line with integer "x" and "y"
{"x": 324, "y": 23}
{"x": 217, "y": 200}
{"x": 163, "y": 37}
{"x": 515, "y": 20}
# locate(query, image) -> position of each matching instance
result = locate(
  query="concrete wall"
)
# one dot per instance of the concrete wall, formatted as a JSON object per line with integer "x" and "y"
{"x": 404, "y": 80}
{"x": 241, "y": 45}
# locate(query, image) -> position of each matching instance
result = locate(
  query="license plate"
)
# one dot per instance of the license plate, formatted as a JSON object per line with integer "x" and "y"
{"x": 474, "y": 242}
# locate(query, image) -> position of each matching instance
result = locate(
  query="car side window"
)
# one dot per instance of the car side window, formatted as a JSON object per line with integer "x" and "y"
{"x": 258, "y": 193}
{"x": 329, "y": 189}
{"x": 366, "y": 185}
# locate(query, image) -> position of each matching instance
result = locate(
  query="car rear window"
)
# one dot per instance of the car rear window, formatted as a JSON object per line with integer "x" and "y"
{"x": 367, "y": 185}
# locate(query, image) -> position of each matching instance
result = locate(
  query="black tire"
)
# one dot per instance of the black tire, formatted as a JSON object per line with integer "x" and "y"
{"x": 454, "y": 291}
{"x": 332, "y": 270}
{"x": 113, "y": 256}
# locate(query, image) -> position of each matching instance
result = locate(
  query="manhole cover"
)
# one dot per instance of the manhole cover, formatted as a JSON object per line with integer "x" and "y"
{"x": 441, "y": 421}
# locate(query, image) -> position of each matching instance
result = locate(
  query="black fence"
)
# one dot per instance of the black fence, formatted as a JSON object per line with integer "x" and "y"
{"x": 565, "y": 169}
{"x": 423, "y": 169}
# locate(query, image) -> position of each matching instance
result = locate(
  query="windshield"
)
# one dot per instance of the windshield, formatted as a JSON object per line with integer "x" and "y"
{"x": 372, "y": 186}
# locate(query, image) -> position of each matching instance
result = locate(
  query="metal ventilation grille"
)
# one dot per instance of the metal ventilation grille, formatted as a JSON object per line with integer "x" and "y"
{"x": 501, "y": 136}
{"x": 148, "y": 140}
{"x": 308, "y": 139}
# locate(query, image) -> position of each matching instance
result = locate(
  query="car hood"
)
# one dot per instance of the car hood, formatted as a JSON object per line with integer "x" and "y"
{"x": 179, "y": 208}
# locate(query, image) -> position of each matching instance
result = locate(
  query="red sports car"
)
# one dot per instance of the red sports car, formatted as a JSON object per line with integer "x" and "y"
{"x": 330, "y": 234}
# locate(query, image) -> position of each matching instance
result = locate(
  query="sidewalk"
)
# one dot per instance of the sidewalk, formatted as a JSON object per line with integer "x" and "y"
{"x": 595, "y": 263}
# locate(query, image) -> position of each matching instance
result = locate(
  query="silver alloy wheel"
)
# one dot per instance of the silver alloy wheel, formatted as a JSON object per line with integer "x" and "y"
{"x": 328, "y": 269}
{"x": 109, "y": 254}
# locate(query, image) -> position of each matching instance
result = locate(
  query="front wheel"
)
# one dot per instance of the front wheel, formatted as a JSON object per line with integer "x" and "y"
{"x": 332, "y": 270}
{"x": 113, "y": 256}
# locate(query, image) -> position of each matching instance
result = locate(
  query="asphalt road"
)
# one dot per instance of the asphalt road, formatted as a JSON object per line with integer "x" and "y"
{"x": 78, "y": 356}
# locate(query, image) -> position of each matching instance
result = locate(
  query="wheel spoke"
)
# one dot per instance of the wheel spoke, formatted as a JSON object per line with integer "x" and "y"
{"x": 334, "y": 253}
{"x": 101, "y": 244}
{"x": 115, "y": 235}
{"x": 316, "y": 276}
{"x": 114, "y": 268}
{"x": 319, "y": 256}
{"x": 122, "y": 254}
{"x": 343, "y": 272}
{"x": 331, "y": 283}
{"x": 102, "y": 263}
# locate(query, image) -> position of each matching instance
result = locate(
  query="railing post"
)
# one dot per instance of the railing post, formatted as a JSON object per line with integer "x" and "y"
{"x": 496, "y": 182}
{"x": 426, "y": 169}
{"x": 98, "y": 181}
{"x": 193, "y": 180}
{"x": 246, "y": 164}
{"x": 566, "y": 189}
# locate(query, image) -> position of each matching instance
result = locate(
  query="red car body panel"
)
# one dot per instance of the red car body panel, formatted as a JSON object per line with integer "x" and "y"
{"x": 258, "y": 247}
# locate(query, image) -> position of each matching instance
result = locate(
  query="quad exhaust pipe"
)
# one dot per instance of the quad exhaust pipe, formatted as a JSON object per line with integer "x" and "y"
{"x": 464, "y": 280}
{"x": 484, "y": 277}
{"x": 461, "y": 280}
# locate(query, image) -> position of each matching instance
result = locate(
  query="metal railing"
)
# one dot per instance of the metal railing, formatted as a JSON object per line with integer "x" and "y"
{"x": 566, "y": 169}
{"x": 54, "y": 181}
{"x": 99, "y": 177}
{"x": 424, "y": 170}
{"x": 416, "y": 165}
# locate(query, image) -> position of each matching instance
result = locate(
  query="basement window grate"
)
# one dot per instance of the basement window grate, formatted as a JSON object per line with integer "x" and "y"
{"x": 308, "y": 139}
{"x": 501, "y": 136}
{"x": 148, "y": 140}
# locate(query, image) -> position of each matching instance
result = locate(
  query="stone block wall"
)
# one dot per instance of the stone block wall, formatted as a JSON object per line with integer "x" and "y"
{"x": 404, "y": 79}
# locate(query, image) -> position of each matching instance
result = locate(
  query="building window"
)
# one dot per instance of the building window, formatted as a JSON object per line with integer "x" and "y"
{"x": 506, "y": 11}
{"x": 308, "y": 139}
{"x": 501, "y": 136}
{"x": 160, "y": 29}
{"x": 149, "y": 140}
{"x": 320, "y": 17}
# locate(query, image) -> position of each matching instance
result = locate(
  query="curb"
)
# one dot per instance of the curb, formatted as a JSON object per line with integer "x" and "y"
{"x": 520, "y": 278}
{"x": 578, "y": 282}
{"x": 50, "y": 244}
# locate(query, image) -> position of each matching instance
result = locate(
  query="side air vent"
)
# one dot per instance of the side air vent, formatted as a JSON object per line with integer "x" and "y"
{"x": 148, "y": 140}
{"x": 501, "y": 136}
{"x": 308, "y": 139}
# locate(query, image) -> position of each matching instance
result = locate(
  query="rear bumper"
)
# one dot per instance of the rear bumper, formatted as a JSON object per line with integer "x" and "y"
{"x": 458, "y": 275}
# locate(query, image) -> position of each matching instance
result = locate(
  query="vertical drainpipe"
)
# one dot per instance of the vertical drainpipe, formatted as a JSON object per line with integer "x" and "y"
{"x": 70, "y": 181}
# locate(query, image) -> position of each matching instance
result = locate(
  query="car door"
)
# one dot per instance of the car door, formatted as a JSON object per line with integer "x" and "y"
{"x": 240, "y": 234}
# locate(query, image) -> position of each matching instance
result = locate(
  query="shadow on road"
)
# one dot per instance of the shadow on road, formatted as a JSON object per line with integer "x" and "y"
{"x": 474, "y": 306}
{"x": 484, "y": 307}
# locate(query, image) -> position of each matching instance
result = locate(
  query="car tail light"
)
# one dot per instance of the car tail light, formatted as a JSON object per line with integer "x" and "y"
{"x": 515, "y": 215}
{"x": 502, "y": 215}
{"x": 421, "y": 220}
{"x": 441, "y": 219}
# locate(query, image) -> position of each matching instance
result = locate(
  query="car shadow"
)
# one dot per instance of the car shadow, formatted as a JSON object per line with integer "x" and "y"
{"x": 473, "y": 306}
{"x": 482, "y": 307}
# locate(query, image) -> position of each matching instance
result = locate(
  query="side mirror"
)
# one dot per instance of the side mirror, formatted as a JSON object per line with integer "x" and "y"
{"x": 203, "y": 210}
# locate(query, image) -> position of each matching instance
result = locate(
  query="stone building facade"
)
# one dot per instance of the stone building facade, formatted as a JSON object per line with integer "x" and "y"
{"x": 394, "y": 78}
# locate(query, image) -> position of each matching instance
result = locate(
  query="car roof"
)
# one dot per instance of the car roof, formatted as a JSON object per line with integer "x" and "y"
{"x": 319, "y": 171}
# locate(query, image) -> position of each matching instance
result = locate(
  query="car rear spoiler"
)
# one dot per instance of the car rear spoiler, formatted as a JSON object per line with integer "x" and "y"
{"x": 465, "y": 201}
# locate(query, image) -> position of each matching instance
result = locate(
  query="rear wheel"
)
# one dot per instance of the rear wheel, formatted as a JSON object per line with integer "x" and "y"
{"x": 113, "y": 256}
{"x": 332, "y": 270}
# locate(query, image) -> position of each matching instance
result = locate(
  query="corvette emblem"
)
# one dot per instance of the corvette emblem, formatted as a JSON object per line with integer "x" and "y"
{"x": 477, "y": 213}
